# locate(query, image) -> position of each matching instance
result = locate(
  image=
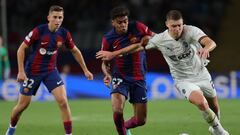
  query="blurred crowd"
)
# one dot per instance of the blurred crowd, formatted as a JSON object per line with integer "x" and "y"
{"x": 89, "y": 19}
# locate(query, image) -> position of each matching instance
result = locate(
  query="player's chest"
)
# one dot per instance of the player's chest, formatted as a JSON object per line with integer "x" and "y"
{"x": 173, "y": 47}
{"x": 51, "y": 41}
{"x": 125, "y": 40}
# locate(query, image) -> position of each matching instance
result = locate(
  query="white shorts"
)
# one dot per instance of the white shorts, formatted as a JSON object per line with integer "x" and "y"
{"x": 204, "y": 84}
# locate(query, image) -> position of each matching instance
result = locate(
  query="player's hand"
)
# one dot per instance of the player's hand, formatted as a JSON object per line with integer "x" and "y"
{"x": 89, "y": 75}
{"x": 144, "y": 40}
{"x": 107, "y": 80}
{"x": 105, "y": 55}
{"x": 203, "y": 53}
{"x": 21, "y": 77}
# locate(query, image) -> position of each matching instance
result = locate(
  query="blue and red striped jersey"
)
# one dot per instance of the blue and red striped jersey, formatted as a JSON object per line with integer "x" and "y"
{"x": 44, "y": 48}
{"x": 131, "y": 67}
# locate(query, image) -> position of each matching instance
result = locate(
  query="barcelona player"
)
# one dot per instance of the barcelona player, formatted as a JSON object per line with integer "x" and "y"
{"x": 186, "y": 49}
{"x": 128, "y": 72}
{"x": 44, "y": 41}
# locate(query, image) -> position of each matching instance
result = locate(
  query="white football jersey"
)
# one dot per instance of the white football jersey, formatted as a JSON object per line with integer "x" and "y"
{"x": 181, "y": 55}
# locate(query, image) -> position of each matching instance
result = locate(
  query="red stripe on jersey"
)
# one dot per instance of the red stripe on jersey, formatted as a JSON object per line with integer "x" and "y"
{"x": 105, "y": 44}
{"x": 35, "y": 67}
{"x": 144, "y": 29}
{"x": 31, "y": 37}
{"x": 69, "y": 41}
{"x": 137, "y": 73}
{"x": 38, "y": 59}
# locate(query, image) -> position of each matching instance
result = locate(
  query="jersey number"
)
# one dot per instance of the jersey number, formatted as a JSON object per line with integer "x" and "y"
{"x": 28, "y": 83}
{"x": 116, "y": 82}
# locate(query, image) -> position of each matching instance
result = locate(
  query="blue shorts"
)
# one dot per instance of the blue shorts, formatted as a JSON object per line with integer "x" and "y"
{"x": 137, "y": 90}
{"x": 51, "y": 80}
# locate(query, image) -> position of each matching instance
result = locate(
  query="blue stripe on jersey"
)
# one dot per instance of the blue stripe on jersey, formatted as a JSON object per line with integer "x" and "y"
{"x": 131, "y": 67}
{"x": 44, "y": 48}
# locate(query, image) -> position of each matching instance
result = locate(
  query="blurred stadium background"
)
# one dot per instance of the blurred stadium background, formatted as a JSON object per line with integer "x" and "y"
{"x": 88, "y": 20}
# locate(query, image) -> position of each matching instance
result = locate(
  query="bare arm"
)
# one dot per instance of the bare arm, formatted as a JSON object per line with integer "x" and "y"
{"x": 106, "y": 71}
{"x": 20, "y": 58}
{"x": 106, "y": 55}
{"x": 79, "y": 58}
{"x": 208, "y": 44}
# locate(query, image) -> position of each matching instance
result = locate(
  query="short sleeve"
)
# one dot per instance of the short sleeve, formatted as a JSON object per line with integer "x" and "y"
{"x": 31, "y": 37}
{"x": 105, "y": 44}
{"x": 144, "y": 29}
{"x": 69, "y": 41}
{"x": 195, "y": 33}
{"x": 153, "y": 42}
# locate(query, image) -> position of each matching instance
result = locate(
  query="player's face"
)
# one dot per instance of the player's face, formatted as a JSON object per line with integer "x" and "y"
{"x": 120, "y": 24}
{"x": 175, "y": 27}
{"x": 55, "y": 20}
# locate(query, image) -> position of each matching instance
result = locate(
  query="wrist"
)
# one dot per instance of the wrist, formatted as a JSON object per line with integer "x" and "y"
{"x": 85, "y": 70}
{"x": 21, "y": 71}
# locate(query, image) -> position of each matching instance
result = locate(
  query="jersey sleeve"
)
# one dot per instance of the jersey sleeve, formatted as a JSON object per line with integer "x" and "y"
{"x": 105, "y": 44}
{"x": 31, "y": 37}
{"x": 69, "y": 41}
{"x": 152, "y": 43}
{"x": 195, "y": 33}
{"x": 144, "y": 29}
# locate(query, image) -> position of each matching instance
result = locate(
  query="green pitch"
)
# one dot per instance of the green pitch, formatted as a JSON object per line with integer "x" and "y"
{"x": 94, "y": 117}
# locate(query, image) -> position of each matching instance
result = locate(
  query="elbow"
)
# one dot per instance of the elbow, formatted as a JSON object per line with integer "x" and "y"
{"x": 19, "y": 51}
{"x": 214, "y": 45}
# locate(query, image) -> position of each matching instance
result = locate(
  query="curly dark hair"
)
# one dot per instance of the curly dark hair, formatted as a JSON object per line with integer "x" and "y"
{"x": 119, "y": 12}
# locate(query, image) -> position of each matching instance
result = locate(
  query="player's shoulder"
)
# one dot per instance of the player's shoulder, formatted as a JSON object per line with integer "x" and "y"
{"x": 162, "y": 35}
{"x": 41, "y": 27}
{"x": 109, "y": 33}
{"x": 38, "y": 29}
{"x": 136, "y": 24}
{"x": 190, "y": 27}
{"x": 63, "y": 30}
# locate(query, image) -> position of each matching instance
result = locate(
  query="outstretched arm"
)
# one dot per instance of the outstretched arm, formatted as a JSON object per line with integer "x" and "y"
{"x": 208, "y": 44}
{"x": 106, "y": 55}
{"x": 79, "y": 58}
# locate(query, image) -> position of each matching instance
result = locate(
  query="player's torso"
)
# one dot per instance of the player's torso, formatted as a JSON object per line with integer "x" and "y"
{"x": 43, "y": 52}
{"x": 133, "y": 65}
{"x": 181, "y": 56}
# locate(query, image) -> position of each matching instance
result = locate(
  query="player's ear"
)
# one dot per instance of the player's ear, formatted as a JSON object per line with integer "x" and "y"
{"x": 48, "y": 17}
{"x": 166, "y": 23}
{"x": 112, "y": 22}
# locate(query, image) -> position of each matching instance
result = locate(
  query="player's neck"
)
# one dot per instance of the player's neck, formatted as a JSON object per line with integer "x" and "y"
{"x": 120, "y": 32}
{"x": 51, "y": 28}
{"x": 175, "y": 37}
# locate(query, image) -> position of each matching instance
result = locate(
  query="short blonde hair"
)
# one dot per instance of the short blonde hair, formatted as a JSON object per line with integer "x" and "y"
{"x": 56, "y": 8}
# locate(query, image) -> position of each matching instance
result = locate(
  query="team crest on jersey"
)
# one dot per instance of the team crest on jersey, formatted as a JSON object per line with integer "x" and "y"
{"x": 133, "y": 39}
{"x": 59, "y": 43}
{"x": 42, "y": 51}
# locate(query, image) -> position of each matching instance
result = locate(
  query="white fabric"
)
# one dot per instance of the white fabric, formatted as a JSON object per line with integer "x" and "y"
{"x": 202, "y": 83}
{"x": 181, "y": 55}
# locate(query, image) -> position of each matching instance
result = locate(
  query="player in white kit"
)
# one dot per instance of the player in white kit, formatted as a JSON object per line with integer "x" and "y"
{"x": 181, "y": 46}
